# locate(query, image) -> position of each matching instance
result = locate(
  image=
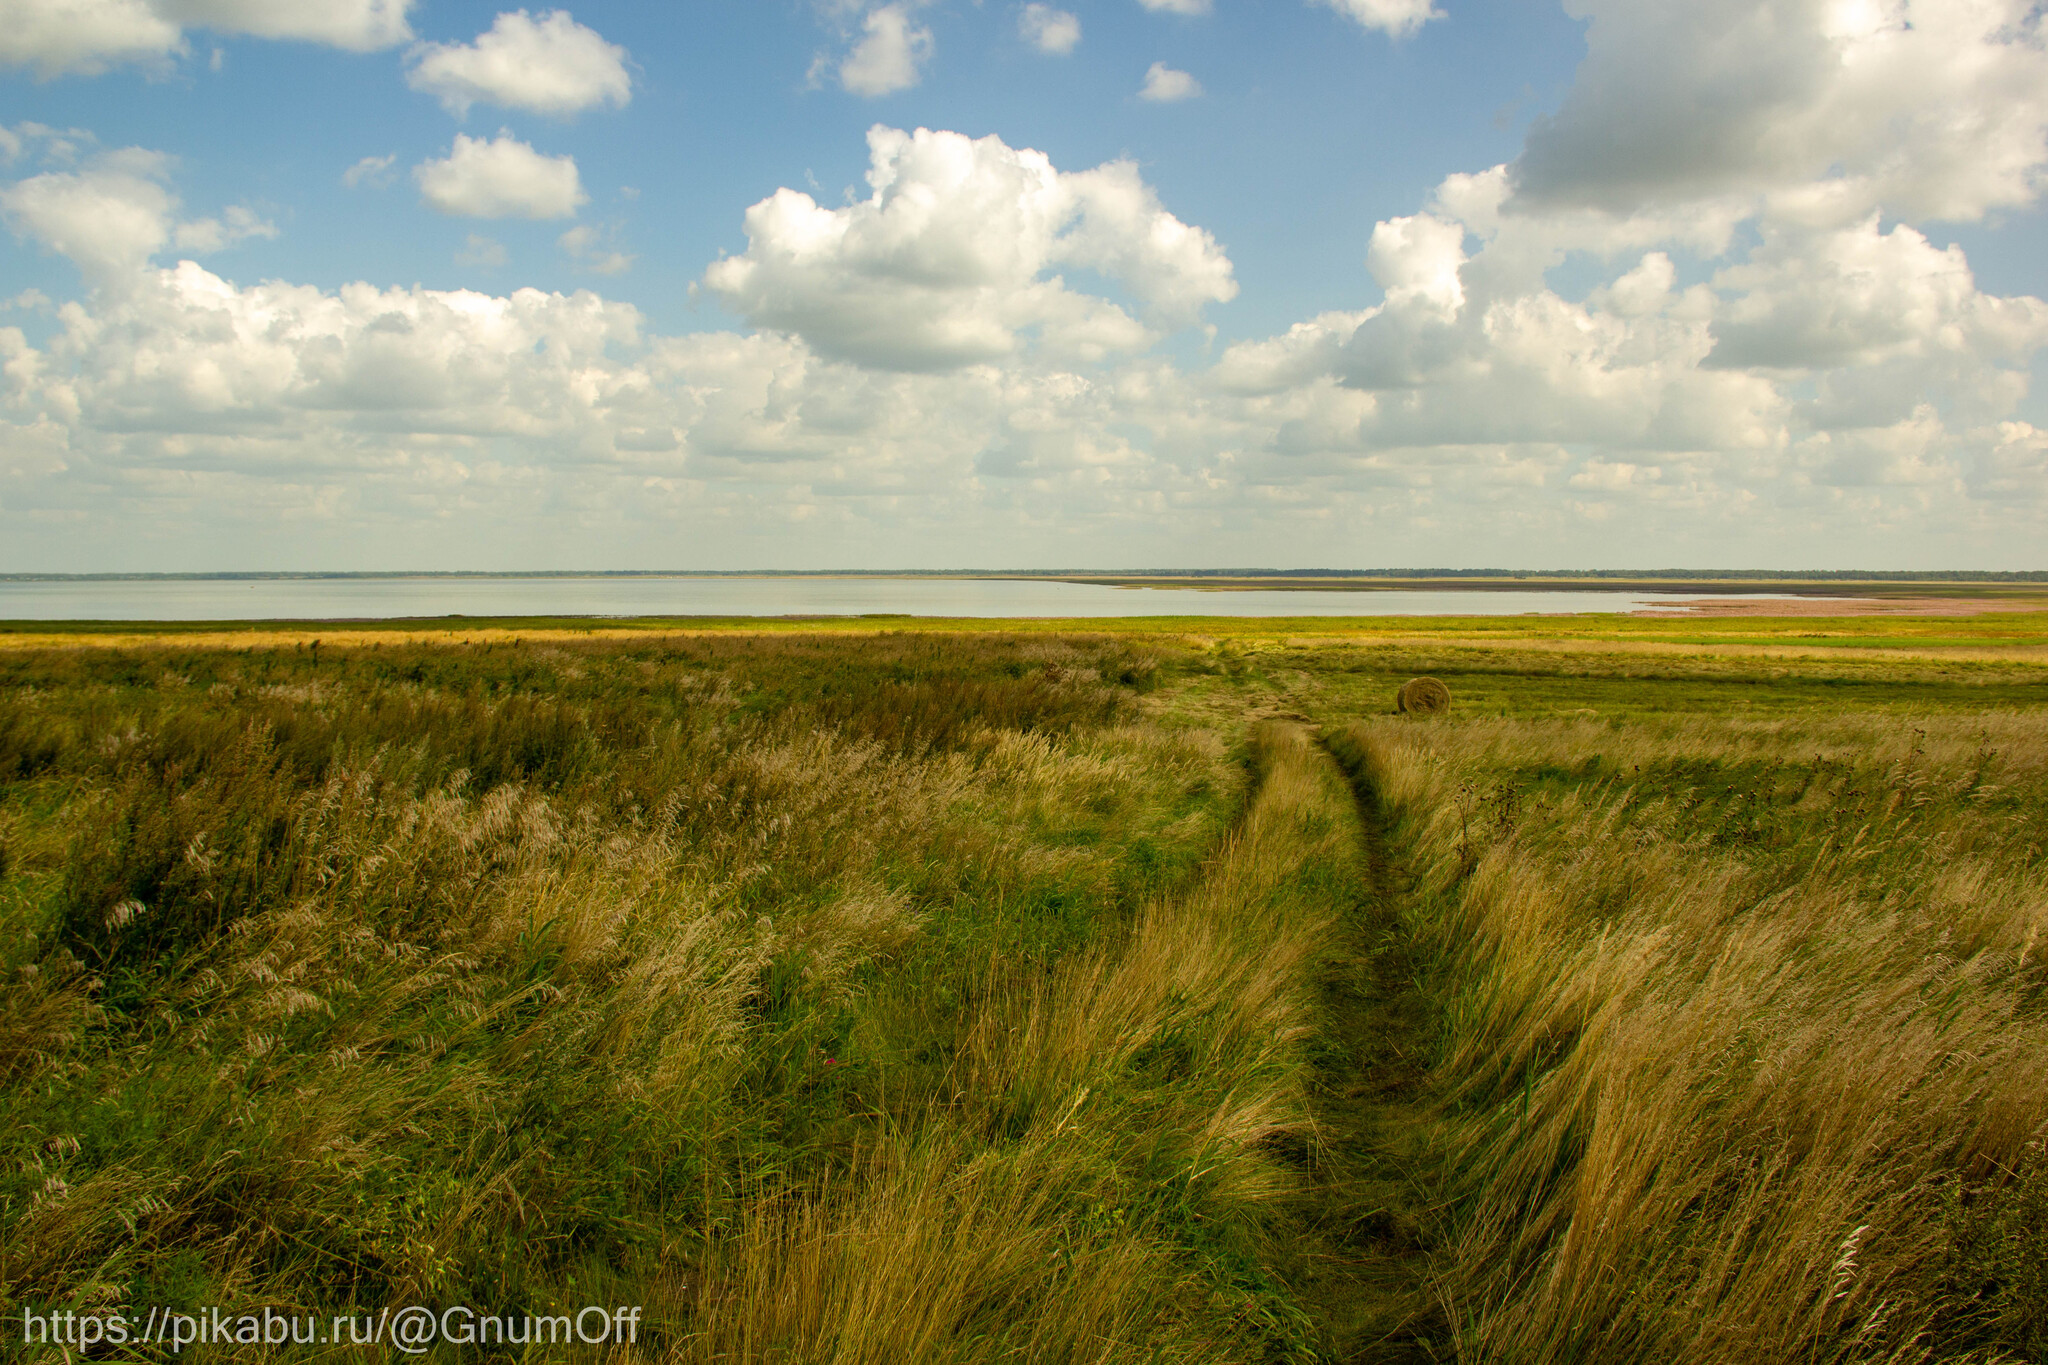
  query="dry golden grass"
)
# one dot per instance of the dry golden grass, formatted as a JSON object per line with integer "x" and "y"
{"x": 1089, "y": 1113}
{"x": 1727, "y": 1058}
{"x": 863, "y": 998}
{"x": 829, "y": 1005}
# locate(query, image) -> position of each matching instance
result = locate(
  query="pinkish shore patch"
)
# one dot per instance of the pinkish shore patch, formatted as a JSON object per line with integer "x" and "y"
{"x": 1842, "y": 606}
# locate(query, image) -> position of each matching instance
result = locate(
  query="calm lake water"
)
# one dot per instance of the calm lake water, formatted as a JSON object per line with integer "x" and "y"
{"x": 324, "y": 599}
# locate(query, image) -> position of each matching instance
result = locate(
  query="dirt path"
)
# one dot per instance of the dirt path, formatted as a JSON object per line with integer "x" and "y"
{"x": 1367, "y": 1277}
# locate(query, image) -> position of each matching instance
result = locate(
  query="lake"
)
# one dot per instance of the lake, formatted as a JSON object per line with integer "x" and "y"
{"x": 321, "y": 599}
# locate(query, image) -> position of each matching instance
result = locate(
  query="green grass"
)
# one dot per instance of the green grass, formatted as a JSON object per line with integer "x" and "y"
{"x": 2022, "y": 628}
{"x": 885, "y": 991}
{"x": 536, "y": 975}
{"x": 1740, "y": 1030}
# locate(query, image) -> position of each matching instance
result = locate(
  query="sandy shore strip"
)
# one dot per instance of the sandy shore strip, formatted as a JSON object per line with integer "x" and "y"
{"x": 1842, "y": 606}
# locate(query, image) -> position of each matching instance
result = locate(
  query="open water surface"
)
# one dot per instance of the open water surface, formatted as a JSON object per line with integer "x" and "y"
{"x": 322, "y": 599}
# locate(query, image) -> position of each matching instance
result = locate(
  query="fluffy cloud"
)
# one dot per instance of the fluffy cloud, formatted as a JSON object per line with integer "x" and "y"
{"x": 353, "y": 410}
{"x": 2014, "y": 466}
{"x": 1176, "y": 6}
{"x": 1120, "y": 229}
{"x": 549, "y": 65}
{"x": 1164, "y": 85}
{"x": 500, "y": 178}
{"x": 1825, "y": 108}
{"x": 108, "y": 220}
{"x": 946, "y": 263}
{"x": 113, "y": 216}
{"x": 1896, "y": 343}
{"x": 1052, "y": 31}
{"x": 237, "y": 223}
{"x": 285, "y": 404}
{"x": 353, "y": 25}
{"x": 328, "y": 417}
{"x": 185, "y": 350}
{"x": 889, "y": 55}
{"x": 1395, "y": 18}
{"x": 1416, "y": 261}
{"x": 1863, "y": 297}
{"x": 1759, "y": 346}
{"x": 85, "y": 37}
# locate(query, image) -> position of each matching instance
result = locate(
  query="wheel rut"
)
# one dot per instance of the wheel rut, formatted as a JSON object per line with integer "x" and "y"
{"x": 1366, "y": 1263}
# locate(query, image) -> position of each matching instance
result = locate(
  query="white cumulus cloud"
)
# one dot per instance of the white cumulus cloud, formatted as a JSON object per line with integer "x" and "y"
{"x": 1862, "y": 296}
{"x": 1164, "y": 85}
{"x": 1120, "y": 229}
{"x": 1395, "y": 18}
{"x": 113, "y": 216}
{"x": 1052, "y": 31}
{"x": 1825, "y": 359}
{"x": 1417, "y": 260}
{"x": 550, "y": 65}
{"x": 237, "y": 223}
{"x": 1826, "y": 108}
{"x": 197, "y": 350}
{"x": 2015, "y": 468}
{"x": 353, "y": 25}
{"x": 892, "y": 50}
{"x": 500, "y": 178}
{"x": 947, "y": 262}
{"x": 1176, "y": 6}
{"x": 85, "y": 37}
{"x": 108, "y": 220}
{"x": 1763, "y": 341}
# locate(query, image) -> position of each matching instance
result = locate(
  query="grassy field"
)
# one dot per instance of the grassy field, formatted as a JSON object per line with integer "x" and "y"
{"x": 898, "y": 991}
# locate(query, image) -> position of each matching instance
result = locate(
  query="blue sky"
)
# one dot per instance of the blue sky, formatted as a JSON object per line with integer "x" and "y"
{"x": 1724, "y": 283}
{"x": 1310, "y": 128}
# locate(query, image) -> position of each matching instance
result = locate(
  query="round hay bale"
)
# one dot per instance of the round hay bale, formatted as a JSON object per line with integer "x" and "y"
{"x": 1423, "y": 697}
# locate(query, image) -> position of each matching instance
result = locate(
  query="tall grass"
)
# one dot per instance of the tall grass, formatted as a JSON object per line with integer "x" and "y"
{"x": 954, "y": 998}
{"x": 1104, "y": 1182}
{"x": 885, "y": 1000}
{"x": 1743, "y": 1054}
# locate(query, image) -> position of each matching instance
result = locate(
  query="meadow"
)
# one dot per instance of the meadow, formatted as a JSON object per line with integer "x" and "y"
{"x": 911, "y": 992}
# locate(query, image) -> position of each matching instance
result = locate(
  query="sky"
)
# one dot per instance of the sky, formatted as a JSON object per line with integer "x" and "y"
{"x": 804, "y": 284}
